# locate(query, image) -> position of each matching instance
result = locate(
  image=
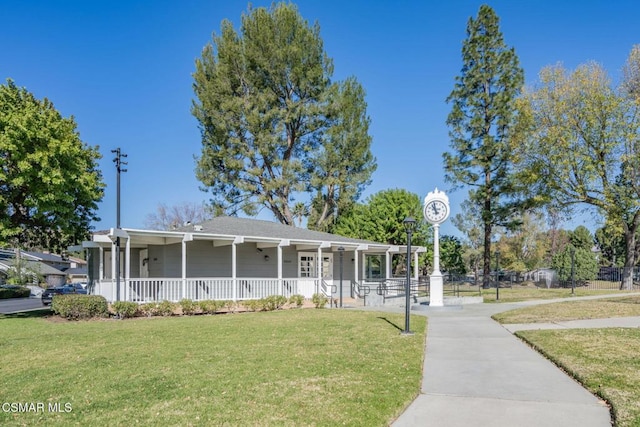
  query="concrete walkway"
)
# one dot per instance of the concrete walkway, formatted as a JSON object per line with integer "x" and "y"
{"x": 476, "y": 373}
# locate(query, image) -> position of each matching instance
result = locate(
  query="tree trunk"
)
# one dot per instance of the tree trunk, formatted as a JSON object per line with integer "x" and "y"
{"x": 630, "y": 255}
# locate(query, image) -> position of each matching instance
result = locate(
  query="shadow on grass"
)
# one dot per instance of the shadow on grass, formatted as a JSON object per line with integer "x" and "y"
{"x": 391, "y": 323}
{"x": 43, "y": 312}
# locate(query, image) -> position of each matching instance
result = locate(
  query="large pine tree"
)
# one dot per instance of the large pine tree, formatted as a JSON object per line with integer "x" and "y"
{"x": 481, "y": 121}
{"x": 276, "y": 132}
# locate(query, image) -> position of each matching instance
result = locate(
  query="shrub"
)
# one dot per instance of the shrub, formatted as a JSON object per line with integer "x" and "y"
{"x": 166, "y": 308}
{"x": 296, "y": 300}
{"x": 230, "y": 305}
{"x": 274, "y": 302}
{"x": 78, "y": 306}
{"x": 149, "y": 309}
{"x": 319, "y": 300}
{"x": 208, "y": 306}
{"x": 254, "y": 304}
{"x": 188, "y": 306}
{"x": 14, "y": 291}
{"x": 125, "y": 309}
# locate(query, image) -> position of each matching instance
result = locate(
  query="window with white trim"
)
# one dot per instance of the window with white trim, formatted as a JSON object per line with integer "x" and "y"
{"x": 307, "y": 264}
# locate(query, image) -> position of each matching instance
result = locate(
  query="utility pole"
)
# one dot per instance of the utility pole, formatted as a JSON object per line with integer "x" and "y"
{"x": 118, "y": 161}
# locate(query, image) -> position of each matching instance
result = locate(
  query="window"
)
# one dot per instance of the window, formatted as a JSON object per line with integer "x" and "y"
{"x": 306, "y": 264}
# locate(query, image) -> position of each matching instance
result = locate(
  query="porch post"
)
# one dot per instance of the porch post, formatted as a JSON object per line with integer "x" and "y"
{"x": 356, "y": 255}
{"x": 101, "y": 264}
{"x": 113, "y": 266}
{"x": 184, "y": 269}
{"x": 388, "y": 272}
{"x": 127, "y": 267}
{"x": 280, "y": 268}
{"x": 319, "y": 269}
{"x": 234, "y": 265}
{"x": 416, "y": 270}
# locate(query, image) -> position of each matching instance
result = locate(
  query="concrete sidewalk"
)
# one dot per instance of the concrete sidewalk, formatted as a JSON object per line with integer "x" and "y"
{"x": 476, "y": 373}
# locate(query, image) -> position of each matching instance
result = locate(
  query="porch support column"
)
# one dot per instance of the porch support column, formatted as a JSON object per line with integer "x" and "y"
{"x": 356, "y": 255}
{"x": 101, "y": 264}
{"x": 234, "y": 265}
{"x": 388, "y": 256}
{"x": 127, "y": 268}
{"x": 113, "y": 268}
{"x": 187, "y": 238}
{"x": 319, "y": 269}
{"x": 415, "y": 265}
{"x": 283, "y": 243}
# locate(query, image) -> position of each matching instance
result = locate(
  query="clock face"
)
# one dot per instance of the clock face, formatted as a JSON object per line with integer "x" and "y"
{"x": 436, "y": 211}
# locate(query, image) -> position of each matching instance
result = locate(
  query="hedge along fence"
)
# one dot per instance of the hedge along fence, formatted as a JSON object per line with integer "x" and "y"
{"x": 187, "y": 307}
{"x": 77, "y": 306}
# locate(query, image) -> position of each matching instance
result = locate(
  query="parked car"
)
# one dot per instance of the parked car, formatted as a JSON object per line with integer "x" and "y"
{"x": 80, "y": 288}
{"x": 47, "y": 295}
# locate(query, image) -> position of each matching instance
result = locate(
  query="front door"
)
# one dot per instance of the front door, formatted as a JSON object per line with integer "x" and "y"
{"x": 144, "y": 263}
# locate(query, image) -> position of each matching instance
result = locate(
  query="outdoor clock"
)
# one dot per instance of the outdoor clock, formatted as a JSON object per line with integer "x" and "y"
{"x": 436, "y": 207}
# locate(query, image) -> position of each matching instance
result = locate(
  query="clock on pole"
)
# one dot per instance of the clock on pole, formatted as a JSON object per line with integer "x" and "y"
{"x": 436, "y": 211}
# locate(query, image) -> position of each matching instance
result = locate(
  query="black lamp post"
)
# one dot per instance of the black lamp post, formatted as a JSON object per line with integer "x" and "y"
{"x": 341, "y": 250}
{"x": 409, "y": 226}
{"x": 497, "y": 275}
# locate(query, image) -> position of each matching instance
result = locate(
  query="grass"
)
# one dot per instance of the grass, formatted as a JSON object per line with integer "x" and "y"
{"x": 573, "y": 310}
{"x": 605, "y": 361}
{"x": 525, "y": 293}
{"x": 293, "y": 367}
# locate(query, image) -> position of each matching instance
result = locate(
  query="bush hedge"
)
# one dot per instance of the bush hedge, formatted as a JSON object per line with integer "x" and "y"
{"x": 79, "y": 306}
{"x": 14, "y": 291}
{"x": 125, "y": 309}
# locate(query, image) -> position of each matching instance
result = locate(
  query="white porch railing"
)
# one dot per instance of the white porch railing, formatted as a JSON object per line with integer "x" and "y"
{"x": 197, "y": 289}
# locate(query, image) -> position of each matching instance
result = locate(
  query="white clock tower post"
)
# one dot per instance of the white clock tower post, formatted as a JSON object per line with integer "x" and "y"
{"x": 436, "y": 211}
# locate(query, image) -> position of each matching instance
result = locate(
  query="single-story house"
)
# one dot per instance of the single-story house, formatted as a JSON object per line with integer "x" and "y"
{"x": 52, "y": 269}
{"x": 229, "y": 258}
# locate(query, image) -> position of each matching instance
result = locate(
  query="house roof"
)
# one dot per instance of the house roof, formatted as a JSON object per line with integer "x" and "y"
{"x": 261, "y": 228}
{"x": 227, "y": 230}
{"x": 36, "y": 266}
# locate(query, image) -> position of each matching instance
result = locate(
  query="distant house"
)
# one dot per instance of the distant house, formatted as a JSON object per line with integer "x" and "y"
{"x": 230, "y": 258}
{"x": 54, "y": 270}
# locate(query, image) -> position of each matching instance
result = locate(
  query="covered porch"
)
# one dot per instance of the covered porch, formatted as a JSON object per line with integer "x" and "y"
{"x": 200, "y": 265}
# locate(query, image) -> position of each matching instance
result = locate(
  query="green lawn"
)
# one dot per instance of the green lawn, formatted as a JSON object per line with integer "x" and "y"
{"x": 605, "y": 361}
{"x": 524, "y": 293}
{"x": 293, "y": 367}
{"x": 623, "y": 306}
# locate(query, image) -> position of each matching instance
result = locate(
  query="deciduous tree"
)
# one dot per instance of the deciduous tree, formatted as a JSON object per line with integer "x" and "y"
{"x": 380, "y": 219}
{"x": 275, "y": 130}
{"x": 481, "y": 122}
{"x": 49, "y": 179}
{"x": 170, "y": 217}
{"x": 583, "y": 147}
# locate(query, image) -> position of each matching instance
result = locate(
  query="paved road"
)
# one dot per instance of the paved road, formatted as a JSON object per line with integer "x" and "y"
{"x": 14, "y": 305}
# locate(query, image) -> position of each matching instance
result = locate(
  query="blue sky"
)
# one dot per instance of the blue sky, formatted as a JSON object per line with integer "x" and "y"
{"x": 123, "y": 70}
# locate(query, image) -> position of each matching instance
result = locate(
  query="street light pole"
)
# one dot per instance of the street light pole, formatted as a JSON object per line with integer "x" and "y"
{"x": 118, "y": 161}
{"x": 341, "y": 250}
{"x": 409, "y": 226}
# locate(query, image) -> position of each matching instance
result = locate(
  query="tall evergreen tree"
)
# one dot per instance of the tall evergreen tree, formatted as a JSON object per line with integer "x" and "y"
{"x": 481, "y": 122}
{"x": 276, "y": 132}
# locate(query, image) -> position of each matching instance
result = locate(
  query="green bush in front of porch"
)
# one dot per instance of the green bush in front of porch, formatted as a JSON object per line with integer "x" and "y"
{"x": 286, "y": 367}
